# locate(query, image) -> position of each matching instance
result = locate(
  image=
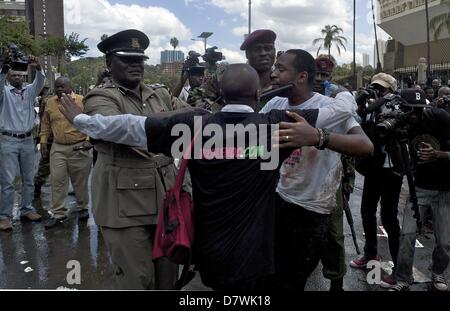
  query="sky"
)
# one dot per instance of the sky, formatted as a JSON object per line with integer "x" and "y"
{"x": 296, "y": 22}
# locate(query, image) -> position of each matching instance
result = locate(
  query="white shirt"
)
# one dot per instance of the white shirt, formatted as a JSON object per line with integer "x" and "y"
{"x": 310, "y": 177}
{"x": 126, "y": 129}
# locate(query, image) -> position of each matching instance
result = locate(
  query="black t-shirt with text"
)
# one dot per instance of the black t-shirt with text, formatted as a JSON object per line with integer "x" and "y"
{"x": 234, "y": 199}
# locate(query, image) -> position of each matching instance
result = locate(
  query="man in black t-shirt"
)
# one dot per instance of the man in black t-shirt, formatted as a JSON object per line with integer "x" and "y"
{"x": 430, "y": 148}
{"x": 233, "y": 191}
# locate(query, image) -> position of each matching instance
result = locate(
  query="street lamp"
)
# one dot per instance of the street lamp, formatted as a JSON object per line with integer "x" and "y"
{"x": 249, "y": 17}
{"x": 205, "y": 36}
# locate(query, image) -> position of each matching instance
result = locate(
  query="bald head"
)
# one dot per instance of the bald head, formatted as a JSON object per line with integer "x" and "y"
{"x": 240, "y": 84}
{"x": 444, "y": 91}
{"x": 63, "y": 85}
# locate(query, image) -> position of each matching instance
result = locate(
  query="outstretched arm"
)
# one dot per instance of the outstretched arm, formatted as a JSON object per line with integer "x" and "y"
{"x": 301, "y": 133}
{"x": 120, "y": 129}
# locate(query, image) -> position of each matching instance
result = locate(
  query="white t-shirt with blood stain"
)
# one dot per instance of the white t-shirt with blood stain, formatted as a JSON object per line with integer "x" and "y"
{"x": 311, "y": 177}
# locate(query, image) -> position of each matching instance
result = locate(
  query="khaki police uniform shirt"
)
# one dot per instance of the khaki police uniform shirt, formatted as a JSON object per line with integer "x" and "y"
{"x": 128, "y": 184}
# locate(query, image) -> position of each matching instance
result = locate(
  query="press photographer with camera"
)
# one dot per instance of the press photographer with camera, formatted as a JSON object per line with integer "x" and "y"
{"x": 427, "y": 130}
{"x": 181, "y": 90}
{"x": 191, "y": 80}
{"x": 443, "y": 100}
{"x": 17, "y": 116}
{"x": 381, "y": 182}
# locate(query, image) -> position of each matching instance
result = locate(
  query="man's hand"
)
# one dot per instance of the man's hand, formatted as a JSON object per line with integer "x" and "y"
{"x": 69, "y": 108}
{"x": 440, "y": 103}
{"x": 34, "y": 62}
{"x": 87, "y": 145}
{"x": 296, "y": 135}
{"x": 428, "y": 153}
{"x": 44, "y": 151}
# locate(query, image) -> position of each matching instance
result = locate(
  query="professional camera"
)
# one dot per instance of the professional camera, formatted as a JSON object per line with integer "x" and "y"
{"x": 364, "y": 96}
{"x": 446, "y": 100}
{"x": 192, "y": 64}
{"x": 16, "y": 59}
{"x": 212, "y": 56}
{"x": 394, "y": 117}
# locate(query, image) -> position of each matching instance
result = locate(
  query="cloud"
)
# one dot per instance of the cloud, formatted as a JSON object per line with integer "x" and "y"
{"x": 93, "y": 18}
{"x": 296, "y": 22}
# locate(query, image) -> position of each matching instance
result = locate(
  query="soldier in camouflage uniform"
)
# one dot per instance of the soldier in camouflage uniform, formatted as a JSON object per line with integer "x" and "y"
{"x": 207, "y": 96}
{"x": 44, "y": 163}
{"x": 128, "y": 184}
{"x": 260, "y": 50}
{"x": 333, "y": 259}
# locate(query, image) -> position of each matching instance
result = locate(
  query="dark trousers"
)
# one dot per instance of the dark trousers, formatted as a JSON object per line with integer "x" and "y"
{"x": 300, "y": 237}
{"x": 386, "y": 186}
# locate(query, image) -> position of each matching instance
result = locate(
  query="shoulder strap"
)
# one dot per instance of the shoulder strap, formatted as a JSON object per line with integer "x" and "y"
{"x": 184, "y": 164}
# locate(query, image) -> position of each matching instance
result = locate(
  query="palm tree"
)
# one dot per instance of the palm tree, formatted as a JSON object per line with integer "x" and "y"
{"x": 441, "y": 22}
{"x": 331, "y": 36}
{"x": 174, "y": 42}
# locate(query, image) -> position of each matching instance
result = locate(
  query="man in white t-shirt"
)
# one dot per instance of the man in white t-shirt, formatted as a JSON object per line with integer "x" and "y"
{"x": 310, "y": 178}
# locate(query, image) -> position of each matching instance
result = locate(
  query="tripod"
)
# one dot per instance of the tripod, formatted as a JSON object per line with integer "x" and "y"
{"x": 406, "y": 158}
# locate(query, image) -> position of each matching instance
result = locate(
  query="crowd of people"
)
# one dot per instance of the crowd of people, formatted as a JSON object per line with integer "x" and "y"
{"x": 255, "y": 229}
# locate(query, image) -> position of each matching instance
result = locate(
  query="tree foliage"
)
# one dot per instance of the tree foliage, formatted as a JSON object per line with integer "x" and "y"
{"x": 331, "y": 37}
{"x": 63, "y": 48}
{"x": 174, "y": 43}
{"x": 17, "y": 32}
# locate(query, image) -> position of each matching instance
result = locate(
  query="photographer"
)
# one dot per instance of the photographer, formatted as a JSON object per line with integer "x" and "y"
{"x": 192, "y": 72}
{"x": 17, "y": 116}
{"x": 209, "y": 91}
{"x": 443, "y": 100}
{"x": 381, "y": 182}
{"x": 429, "y": 145}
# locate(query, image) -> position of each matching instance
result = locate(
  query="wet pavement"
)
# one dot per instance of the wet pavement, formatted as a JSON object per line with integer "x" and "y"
{"x": 34, "y": 258}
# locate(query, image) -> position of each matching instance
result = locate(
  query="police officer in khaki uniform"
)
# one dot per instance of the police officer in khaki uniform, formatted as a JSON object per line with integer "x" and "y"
{"x": 128, "y": 184}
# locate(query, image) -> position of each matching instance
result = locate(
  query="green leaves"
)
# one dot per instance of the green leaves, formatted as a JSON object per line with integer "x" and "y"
{"x": 16, "y": 31}
{"x": 174, "y": 42}
{"x": 331, "y": 37}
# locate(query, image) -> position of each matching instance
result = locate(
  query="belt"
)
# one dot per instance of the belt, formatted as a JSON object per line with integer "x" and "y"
{"x": 21, "y": 136}
{"x": 155, "y": 162}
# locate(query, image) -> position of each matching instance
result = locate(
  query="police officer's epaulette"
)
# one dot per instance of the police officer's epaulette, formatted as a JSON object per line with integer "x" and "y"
{"x": 107, "y": 85}
{"x": 156, "y": 86}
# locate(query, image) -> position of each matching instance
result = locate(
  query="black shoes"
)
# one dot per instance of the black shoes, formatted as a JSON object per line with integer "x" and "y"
{"x": 83, "y": 215}
{"x": 54, "y": 222}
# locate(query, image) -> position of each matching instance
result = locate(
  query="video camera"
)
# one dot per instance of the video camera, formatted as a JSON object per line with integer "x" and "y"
{"x": 395, "y": 120}
{"x": 192, "y": 64}
{"x": 212, "y": 56}
{"x": 368, "y": 94}
{"x": 446, "y": 100}
{"x": 15, "y": 59}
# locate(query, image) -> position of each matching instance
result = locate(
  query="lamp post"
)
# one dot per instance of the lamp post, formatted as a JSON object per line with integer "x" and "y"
{"x": 355, "y": 86}
{"x": 427, "y": 12}
{"x": 249, "y": 17}
{"x": 204, "y": 36}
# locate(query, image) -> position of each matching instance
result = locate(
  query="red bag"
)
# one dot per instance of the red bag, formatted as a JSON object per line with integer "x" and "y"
{"x": 175, "y": 229}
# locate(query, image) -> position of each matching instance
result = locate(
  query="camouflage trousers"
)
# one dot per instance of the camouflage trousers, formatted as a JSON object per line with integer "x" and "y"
{"x": 43, "y": 171}
{"x": 333, "y": 257}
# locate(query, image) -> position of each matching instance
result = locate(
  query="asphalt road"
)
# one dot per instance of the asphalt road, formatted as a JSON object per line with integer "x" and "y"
{"x": 34, "y": 258}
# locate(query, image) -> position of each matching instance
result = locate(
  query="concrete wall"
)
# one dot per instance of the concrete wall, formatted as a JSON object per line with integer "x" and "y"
{"x": 440, "y": 52}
